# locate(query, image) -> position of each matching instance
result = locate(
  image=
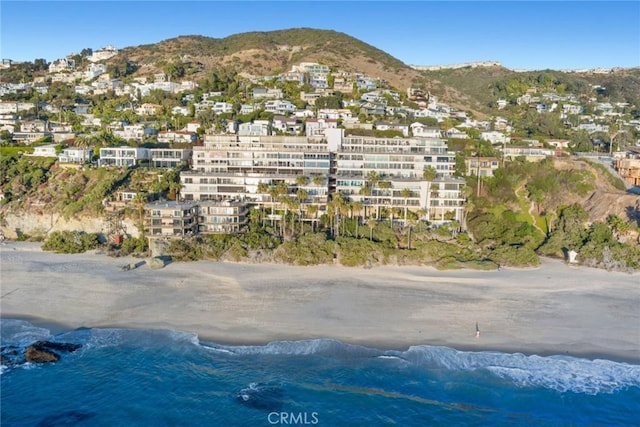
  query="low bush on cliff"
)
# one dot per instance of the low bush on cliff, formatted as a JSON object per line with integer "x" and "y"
{"x": 70, "y": 242}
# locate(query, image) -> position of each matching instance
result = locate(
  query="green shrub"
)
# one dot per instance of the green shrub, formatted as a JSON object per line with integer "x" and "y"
{"x": 136, "y": 245}
{"x": 516, "y": 256}
{"x": 71, "y": 242}
{"x": 357, "y": 252}
{"x": 308, "y": 249}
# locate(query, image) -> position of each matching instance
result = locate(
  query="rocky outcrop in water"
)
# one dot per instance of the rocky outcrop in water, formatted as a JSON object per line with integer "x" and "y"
{"x": 38, "y": 352}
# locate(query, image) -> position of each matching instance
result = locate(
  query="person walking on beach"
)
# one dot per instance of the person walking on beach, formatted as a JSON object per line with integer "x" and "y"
{"x": 477, "y": 331}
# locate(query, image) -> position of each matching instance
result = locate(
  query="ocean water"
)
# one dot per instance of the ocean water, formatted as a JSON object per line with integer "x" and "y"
{"x": 125, "y": 377}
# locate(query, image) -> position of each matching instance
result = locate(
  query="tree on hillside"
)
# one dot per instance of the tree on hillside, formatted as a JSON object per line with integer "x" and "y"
{"x": 569, "y": 232}
{"x": 580, "y": 142}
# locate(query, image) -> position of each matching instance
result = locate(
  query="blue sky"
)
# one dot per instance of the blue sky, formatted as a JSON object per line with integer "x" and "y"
{"x": 520, "y": 34}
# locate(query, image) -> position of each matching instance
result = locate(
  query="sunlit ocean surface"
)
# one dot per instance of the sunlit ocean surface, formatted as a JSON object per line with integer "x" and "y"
{"x": 124, "y": 377}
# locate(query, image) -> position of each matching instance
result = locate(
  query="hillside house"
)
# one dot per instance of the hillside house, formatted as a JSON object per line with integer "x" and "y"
{"x": 404, "y": 128}
{"x": 63, "y": 64}
{"x": 222, "y": 108}
{"x": 123, "y": 156}
{"x": 256, "y": 128}
{"x": 481, "y": 166}
{"x": 316, "y": 127}
{"x": 287, "y": 125}
{"x": 130, "y": 132}
{"x": 76, "y": 155}
{"x": 531, "y": 154}
{"x": 424, "y": 131}
{"x": 103, "y": 54}
{"x": 279, "y": 106}
{"x": 265, "y": 93}
{"x": 45, "y": 151}
{"x": 495, "y": 137}
{"x": 148, "y": 109}
{"x": 177, "y": 136}
{"x": 455, "y": 133}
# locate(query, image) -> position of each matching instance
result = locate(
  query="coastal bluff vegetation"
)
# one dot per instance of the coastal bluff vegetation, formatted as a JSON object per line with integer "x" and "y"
{"x": 525, "y": 211}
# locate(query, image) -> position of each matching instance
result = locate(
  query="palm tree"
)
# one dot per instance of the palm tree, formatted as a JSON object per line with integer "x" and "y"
{"x": 371, "y": 224}
{"x": 313, "y": 211}
{"x": 429, "y": 173}
{"x": 372, "y": 181}
{"x": 302, "y": 199}
{"x": 139, "y": 201}
{"x": 384, "y": 185}
{"x": 263, "y": 188}
{"x": 406, "y": 193}
{"x": 365, "y": 191}
{"x": 273, "y": 193}
{"x": 422, "y": 213}
{"x": 291, "y": 205}
{"x": 337, "y": 205}
{"x": 357, "y": 208}
{"x": 373, "y": 178}
{"x": 302, "y": 181}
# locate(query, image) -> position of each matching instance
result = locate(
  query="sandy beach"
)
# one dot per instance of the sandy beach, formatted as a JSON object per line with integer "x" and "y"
{"x": 552, "y": 309}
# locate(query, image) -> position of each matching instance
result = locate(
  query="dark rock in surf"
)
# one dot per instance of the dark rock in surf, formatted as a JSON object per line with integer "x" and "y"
{"x": 47, "y": 351}
{"x": 11, "y": 356}
{"x": 36, "y": 354}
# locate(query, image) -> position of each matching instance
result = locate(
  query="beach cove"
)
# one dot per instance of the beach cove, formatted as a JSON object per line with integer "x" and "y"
{"x": 552, "y": 309}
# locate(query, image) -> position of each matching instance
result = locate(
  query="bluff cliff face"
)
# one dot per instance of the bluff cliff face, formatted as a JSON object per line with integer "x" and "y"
{"x": 15, "y": 224}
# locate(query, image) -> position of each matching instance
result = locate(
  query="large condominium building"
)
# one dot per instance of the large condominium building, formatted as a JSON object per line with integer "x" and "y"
{"x": 313, "y": 168}
{"x": 390, "y": 173}
{"x": 245, "y": 167}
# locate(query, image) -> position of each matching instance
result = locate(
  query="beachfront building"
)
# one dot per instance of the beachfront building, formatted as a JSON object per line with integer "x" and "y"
{"x": 222, "y": 217}
{"x": 170, "y": 218}
{"x": 389, "y": 173}
{"x": 445, "y": 200}
{"x": 247, "y": 168}
{"x": 265, "y": 170}
{"x": 185, "y": 218}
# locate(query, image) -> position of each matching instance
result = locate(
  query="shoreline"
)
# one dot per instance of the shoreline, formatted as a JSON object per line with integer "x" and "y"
{"x": 553, "y": 309}
{"x": 58, "y": 328}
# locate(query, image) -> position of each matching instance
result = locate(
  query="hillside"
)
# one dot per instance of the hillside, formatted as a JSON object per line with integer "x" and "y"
{"x": 605, "y": 199}
{"x": 268, "y": 53}
{"x": 482, "y": 86}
